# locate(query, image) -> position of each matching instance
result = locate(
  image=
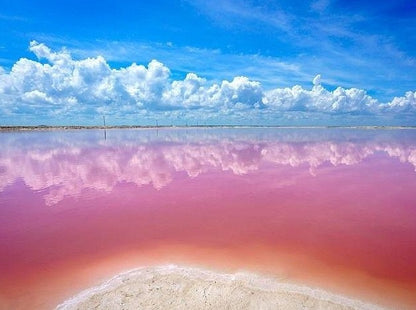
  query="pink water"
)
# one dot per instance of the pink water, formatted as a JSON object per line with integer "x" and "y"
{"x": 326, "y": 207}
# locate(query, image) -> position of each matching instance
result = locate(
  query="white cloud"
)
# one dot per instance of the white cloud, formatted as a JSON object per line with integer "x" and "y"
{"x": 57, "y": 83}
{"x": 321, "y": 100}
{"x": 316, "y": 80}
{"x": 403, "y": 104}
{"x": 37, "y": 97}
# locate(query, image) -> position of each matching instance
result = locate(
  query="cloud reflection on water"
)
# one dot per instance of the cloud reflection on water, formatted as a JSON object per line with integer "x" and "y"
{"x": 64, "y": 164}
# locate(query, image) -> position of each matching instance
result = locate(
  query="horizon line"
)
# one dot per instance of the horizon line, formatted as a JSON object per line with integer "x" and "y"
{"x": 80, "y": 127}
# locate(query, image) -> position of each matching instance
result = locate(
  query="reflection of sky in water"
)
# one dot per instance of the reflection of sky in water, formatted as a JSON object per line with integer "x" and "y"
{"x": 62, "y": 164}
{"x": 311, "y": 202}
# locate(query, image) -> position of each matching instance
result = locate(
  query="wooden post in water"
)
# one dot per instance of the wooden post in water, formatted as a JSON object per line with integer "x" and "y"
{"x": 105, "y": 128}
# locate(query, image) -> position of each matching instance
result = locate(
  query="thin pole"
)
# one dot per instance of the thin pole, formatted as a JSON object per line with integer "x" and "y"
{"x": 105, "y": 129}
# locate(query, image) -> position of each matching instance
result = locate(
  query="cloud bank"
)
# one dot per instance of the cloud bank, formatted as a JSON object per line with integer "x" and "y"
{"x": 58, "y": 85}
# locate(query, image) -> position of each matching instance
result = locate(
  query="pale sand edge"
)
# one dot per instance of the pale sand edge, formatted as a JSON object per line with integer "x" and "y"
{"x": 259, "y": 284}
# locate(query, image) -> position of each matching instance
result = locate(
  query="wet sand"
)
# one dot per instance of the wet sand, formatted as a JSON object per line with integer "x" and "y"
{"x": 174, "y": 287}
{"x": 47, "y": 288}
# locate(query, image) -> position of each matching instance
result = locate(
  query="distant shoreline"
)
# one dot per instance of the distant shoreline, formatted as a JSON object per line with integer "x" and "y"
{"x": 75, "y": 127}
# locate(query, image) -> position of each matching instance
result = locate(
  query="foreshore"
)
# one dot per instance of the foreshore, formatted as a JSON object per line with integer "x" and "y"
{"x": 176, "y": 287}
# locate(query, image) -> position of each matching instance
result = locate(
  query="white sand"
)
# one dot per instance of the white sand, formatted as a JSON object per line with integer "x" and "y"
{"x": 173, "y": 287}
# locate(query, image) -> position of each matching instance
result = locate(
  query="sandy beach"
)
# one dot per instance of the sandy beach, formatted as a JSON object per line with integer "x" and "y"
{"x": 176, "y": 287}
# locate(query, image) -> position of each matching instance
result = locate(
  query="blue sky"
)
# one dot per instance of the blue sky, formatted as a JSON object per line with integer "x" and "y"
{"x": 366, "y": 46}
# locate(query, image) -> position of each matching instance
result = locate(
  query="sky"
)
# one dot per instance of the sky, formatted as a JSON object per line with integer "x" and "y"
{"x": 322, "y": 62}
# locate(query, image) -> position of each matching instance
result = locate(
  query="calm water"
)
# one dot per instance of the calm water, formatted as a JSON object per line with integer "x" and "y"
{"x": 335, "y": 208}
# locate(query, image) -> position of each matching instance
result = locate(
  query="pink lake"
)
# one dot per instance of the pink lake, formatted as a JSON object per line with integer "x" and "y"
{"x": 328, "y": 208}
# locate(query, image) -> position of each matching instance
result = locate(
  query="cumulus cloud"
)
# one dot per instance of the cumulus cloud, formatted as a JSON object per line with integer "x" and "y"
{"x": 56, "y": 83}
{"x": 321, "y": 100}
{"x": 403, "y": 104}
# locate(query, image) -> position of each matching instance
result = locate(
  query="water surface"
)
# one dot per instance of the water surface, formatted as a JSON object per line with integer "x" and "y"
{"x": 334, "y": 208}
